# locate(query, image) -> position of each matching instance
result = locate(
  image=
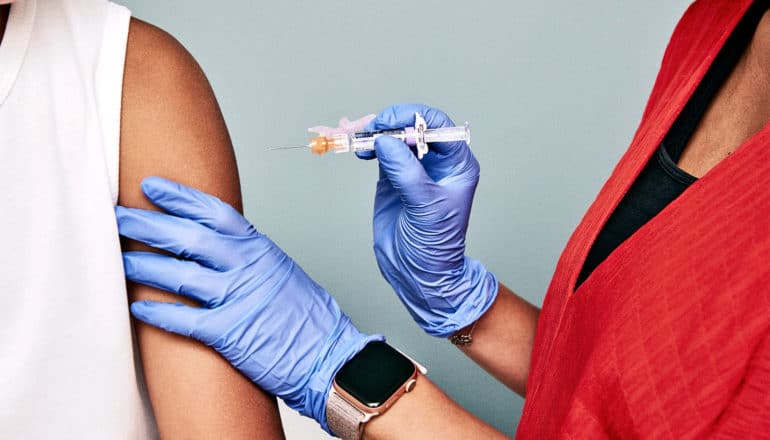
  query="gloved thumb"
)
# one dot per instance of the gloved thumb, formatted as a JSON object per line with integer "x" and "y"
{"x": 171, "y": 317}
{"x": 405, "y": 173}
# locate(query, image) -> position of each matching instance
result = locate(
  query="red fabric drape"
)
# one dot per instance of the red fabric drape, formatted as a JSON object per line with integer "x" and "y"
{"x": 668, "y": 337}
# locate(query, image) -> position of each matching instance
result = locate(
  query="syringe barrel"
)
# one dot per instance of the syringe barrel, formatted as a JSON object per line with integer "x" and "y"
{"x": 448, "y": 134}
{"x": 362, "y": 144}
{"x": 364, "y": 140}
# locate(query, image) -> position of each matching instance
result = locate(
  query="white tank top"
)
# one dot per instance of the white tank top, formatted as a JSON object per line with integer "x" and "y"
{"x": 67, "y": 364}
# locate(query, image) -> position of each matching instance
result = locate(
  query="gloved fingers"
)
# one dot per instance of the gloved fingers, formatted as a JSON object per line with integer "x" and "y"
{"x": 179, "y": 236}
{"x": 366, "y": 155}
{"x": 371, "y": 125}
{"x": 187, "y": 202}
{"x": 186, "y": 278}
{"x": 402, "y": 115}
{"x": 402, "y": 169}
{"x": 171, "y": 317}
{"x": 384, "y": 194}
{"x": 452, "y": 159}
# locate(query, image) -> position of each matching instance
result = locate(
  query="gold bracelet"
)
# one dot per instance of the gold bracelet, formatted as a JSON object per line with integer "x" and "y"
{"x": 465, "y": 339}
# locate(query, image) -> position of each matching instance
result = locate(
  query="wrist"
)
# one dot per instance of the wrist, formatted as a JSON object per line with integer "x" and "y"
{"x": 344, "y": 342}
{"x": 367, "y": 386}
{"x": 464, "y": 336}
{"x": 503, "y": 338}
{"x": 472, "y": 294}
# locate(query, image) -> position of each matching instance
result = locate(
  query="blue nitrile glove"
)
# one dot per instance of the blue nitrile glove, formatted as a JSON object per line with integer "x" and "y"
{"x": 421, "y": 212}
{"x": 259, "y": 309}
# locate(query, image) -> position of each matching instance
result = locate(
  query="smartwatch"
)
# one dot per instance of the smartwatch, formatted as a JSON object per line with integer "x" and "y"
{"x": 366, "y": 386}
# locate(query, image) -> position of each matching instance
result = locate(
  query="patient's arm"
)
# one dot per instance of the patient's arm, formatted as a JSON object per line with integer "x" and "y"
{"x": 172, "y": 127}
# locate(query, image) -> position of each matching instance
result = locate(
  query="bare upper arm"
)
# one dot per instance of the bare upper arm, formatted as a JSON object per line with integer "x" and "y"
{"x": 171, "y": 126}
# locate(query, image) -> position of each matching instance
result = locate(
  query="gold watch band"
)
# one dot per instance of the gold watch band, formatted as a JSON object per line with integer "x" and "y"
{"x": 344, "y": 419}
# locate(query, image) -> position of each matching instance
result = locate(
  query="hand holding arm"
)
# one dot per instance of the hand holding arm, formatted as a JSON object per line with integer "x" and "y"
{"x": 258, "y": 308}
{"x": 262, "y": 312}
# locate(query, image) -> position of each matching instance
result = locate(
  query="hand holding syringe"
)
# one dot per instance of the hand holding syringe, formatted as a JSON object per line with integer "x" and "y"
{"x": 418, "y": 136}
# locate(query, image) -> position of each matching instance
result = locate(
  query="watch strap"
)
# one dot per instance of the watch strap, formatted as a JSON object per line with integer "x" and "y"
{"x": 345, "y": 420}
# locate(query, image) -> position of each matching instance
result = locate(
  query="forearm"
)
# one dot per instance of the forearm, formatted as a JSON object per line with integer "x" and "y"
{"x": 426, "y": 412}
{"x": 503, "y": 339}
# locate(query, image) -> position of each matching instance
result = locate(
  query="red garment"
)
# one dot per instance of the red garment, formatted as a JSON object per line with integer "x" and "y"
{"x": 668, "y": 338}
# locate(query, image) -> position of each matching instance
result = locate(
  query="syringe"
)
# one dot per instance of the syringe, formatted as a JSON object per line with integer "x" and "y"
{"x": 418, "y": 136}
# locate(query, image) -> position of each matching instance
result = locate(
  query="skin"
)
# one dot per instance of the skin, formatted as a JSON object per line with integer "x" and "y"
{"x": 502, "y": 345}
{"x": 740, "y": 108}
{"x": 171, "y": 126}
{"x": 503, "y": 339}
{"x": 427, "y": 413}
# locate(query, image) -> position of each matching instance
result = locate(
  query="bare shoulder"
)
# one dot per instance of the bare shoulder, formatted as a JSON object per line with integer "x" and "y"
{"x": 171, "y": 124}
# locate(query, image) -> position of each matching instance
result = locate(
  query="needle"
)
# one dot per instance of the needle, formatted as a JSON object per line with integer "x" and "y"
{"x": 287, "y": 147}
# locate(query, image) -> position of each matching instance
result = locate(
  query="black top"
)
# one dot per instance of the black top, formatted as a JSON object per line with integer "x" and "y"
{"x": 662, "y": 181}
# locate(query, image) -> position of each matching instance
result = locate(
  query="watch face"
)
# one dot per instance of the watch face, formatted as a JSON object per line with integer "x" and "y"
{"x": 374, "y": 374}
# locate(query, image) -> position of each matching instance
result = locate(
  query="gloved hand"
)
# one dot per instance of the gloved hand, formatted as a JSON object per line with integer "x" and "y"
{"x": 258, "y": 308}
{"x": 421, "y": 212}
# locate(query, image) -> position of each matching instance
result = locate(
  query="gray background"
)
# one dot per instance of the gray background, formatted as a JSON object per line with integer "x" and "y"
{"x": 553, "y": 91}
